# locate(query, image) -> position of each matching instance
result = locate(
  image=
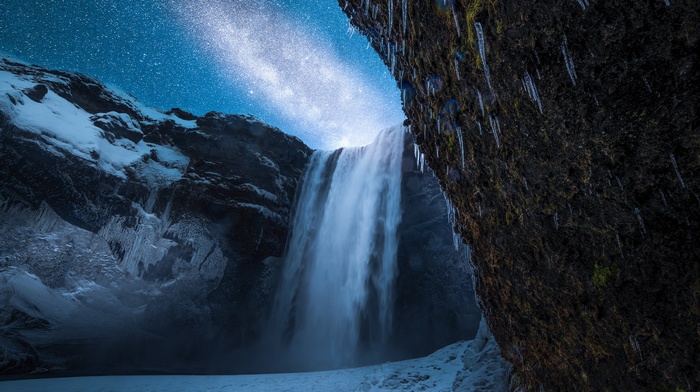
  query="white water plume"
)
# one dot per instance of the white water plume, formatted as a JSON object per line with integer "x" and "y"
{"x": 336, "y": 290}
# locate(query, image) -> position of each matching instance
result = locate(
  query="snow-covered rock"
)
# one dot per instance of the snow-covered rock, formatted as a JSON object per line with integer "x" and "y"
{"x": 121, "y": 224}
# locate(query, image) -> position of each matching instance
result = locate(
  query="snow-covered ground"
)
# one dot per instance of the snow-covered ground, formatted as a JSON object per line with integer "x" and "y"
{"x": 474, "y": 365}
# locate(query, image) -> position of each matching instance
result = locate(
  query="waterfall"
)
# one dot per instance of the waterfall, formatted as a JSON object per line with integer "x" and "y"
{"x": 335, "y": 294}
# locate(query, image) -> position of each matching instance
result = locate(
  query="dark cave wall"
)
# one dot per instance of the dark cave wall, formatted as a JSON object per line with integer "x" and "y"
{"x": 584, "y": 215}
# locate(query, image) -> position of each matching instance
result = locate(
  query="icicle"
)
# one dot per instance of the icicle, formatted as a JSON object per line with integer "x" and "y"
{"x": 482, "y": 52}
{"x": 663, "y": 198}
{"x": 531, "y": 90}
{"x": 481, "y": 103}
{"x": 457, "y": 68}
{"x": 451, "y": 215}
{"x": 404, "y": 8}
{"x": 438, "y": 125}
{"x": 640, "y": 220}
{"x": 456, "y": 22}
{"x": 495, "y": 133}
{"x": 635, "y": 345}
{"x": 556, "y": 221}
{"x": 478, "y": 124}
{"x": 391, "y": 15}
{"x": 351, "y": 30}
{"x": 678, "y": 173}
{"x": 568, "y": 61}
{"x": 619, "y": 244}
{"x": 437, "y": 151}
{"x": 461, "y": 144}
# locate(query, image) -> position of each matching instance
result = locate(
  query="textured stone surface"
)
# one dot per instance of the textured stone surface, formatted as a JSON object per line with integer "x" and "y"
{"x": 580, "y": 201}
{"x": 147, "y": 231}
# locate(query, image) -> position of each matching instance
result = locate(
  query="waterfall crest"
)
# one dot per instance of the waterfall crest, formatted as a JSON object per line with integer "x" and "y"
{"x": 336, "y": 290}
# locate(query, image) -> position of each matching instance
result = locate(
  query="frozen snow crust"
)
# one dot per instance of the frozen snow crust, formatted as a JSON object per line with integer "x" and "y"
{"x": 472, "y": 366}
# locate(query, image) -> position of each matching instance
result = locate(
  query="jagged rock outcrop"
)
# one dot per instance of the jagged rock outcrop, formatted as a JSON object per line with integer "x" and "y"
{"x": 130, "y": 238}
{"x": 566, "y": 135}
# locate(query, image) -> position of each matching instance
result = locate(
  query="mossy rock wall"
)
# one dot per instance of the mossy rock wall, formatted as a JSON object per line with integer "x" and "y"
{"x": 574, "y": 170}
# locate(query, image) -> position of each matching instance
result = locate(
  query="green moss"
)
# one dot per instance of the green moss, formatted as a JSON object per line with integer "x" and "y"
{"x": 473, "y": 10}
{"x": 601, "y": 274}
{"x": 451, "y": 143}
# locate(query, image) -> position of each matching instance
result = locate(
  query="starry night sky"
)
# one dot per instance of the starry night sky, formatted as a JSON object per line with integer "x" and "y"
{"x": 292, "y": 63}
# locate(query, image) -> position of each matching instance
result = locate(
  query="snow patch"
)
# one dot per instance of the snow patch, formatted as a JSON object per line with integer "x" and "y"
{"x": 466, "y": 366}
{"x": 66, "y": 128}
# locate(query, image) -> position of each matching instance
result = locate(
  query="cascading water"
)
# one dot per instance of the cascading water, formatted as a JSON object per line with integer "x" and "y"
{"x": 335, "y": 295}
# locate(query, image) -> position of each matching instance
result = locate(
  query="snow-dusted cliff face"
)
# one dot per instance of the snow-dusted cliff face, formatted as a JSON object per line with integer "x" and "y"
{"x": 121, "y": 226}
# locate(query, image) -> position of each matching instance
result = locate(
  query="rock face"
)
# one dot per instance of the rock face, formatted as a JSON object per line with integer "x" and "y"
{"x": 566, "y": 135}
{"x": 130, "y": 238}
{"x": 435, "y": 302}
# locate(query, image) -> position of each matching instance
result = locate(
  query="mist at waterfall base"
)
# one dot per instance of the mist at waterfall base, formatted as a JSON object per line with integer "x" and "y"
{"x": 334, "y": 305}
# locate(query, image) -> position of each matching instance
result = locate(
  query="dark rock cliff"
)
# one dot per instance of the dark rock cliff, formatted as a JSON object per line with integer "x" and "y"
{"x": 435, "y": 303}
{"x": 566, "y": 135}
{"x": 129, "y": 238}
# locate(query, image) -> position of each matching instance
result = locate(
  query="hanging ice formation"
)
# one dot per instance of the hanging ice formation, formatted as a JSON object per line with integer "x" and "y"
{"x": 482, "y": 52}
{"x": 335, "y": 293}
{"x": 568, "y": 61}
{"x": 531, "y": 90}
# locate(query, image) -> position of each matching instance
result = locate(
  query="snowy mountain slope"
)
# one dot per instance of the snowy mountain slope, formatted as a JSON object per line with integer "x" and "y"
{"x": 473, "y": 366}
{"x": 122, "y": 226}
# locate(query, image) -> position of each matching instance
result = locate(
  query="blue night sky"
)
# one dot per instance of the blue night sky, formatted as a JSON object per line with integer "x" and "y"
{"x": 293, "y": 64}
